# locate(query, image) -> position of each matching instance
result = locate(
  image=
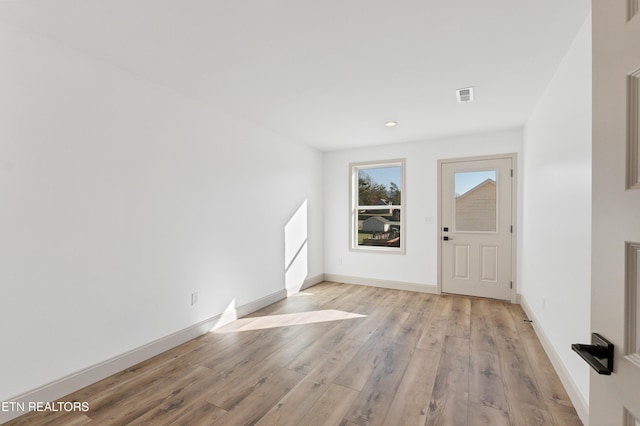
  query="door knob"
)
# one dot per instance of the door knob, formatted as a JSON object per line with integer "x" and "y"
{"x": 599, "y": 352}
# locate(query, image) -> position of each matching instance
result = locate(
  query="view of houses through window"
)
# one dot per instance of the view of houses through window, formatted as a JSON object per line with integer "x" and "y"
{"x": 475, "y": 201}
{"x": 377, "y": 205}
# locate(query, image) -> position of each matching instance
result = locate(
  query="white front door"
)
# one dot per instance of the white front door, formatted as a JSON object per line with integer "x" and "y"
{"x": 476, "y": 227}
{"x": 615, "y": 287}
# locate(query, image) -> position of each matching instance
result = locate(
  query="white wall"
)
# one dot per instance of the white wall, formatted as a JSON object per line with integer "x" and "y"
{"x": 555, "y": 259}
{"x": 118, "y": 198}
{"x": 419, "y": 265}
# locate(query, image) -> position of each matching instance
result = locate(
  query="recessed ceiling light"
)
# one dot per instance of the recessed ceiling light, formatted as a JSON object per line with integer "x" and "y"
{"x": 391, "y": 123}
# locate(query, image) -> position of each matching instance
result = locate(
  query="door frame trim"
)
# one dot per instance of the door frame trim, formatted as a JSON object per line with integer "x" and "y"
{"x": 514, "y": 213}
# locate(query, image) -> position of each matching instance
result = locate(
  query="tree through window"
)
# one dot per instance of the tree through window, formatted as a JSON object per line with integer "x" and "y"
{"x": 377, "y": 216}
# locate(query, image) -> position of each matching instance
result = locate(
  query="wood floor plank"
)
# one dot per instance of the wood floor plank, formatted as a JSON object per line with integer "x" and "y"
{"x": 503, "y": 326}
{"x": 312, "y": 355}
{"x": 518, "y": 379}
{"x": 357, "y": 372}
{"x": 109, "y": 399}
{"x": 330, "y": 408}
{"x": 450, "y": 396}
{"x": 565, "y": 418}
{"x": 139, "y": 370}
{"x": 311, "y": 388}
{"x": 183, "y": 400}
{"x": 125, "y": 410}
{"x": 350, "y": 299}
{"x": 224, "y": 345}
{"x": 555, "y": 397}
{"x": 521, "y": 388}
{"x": 199, "y": 414}
{"x": 375, "y": 319}
{"x": 422, "y": 303}
{"x": 392, "y": 325}
{"x": 236, "y": 384}
{"x": 245, "y": 344}
{"x": 411, "y": 402}
{"x": 404, "y": 303}
{"x": 482, "y": 337}
{"x": 433, "y": 334}
{"x": 372, "y": 404}
{"x": 459, "y": 324}
{"x": 347, "y": 423}
{"x": 483, "y": 415}
{"x": 333, "y": 294}
{"x": 251, "y": 352}
{"x": 264, "y": 396}
{"x": 411, "y": 329}
{"x": 52, "y": 419}
{"x": 411, "y": 359}
{"x": 380, "y": 297}
{"x": 486, "y": 385}
{"x": 523, "y": 414}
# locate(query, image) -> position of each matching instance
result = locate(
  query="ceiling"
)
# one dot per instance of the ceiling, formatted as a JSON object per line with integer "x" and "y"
{"x": 329, "y": 73}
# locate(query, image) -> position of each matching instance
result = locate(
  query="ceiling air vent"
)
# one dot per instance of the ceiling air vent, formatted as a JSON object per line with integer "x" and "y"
{"x": 465, "y": 95}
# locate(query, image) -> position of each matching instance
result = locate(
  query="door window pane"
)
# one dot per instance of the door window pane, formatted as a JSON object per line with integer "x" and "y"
{"x": 475, "y": 201}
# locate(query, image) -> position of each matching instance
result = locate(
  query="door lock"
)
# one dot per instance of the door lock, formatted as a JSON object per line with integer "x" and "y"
{"x": 599, "y": 354}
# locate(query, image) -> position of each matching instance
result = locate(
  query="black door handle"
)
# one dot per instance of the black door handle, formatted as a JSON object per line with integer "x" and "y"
{"x": 597, "y": 354}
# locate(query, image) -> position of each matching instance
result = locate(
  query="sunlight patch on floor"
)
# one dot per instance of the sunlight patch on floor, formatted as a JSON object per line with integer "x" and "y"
{"x": 285, "y": 320}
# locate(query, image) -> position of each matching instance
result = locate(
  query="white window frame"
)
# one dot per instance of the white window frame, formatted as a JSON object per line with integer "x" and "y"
{"x": 353, "y": 207}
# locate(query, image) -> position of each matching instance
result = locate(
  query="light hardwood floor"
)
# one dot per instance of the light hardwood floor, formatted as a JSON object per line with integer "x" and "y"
{"x": 340, "y": 354}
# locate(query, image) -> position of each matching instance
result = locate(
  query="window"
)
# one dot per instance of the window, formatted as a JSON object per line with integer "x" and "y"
{"x": 377, "y": 216}
{"x": 476, "y": 201}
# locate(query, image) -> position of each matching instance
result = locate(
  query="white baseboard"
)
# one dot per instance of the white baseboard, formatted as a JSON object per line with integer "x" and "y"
{"x": 311, "y": 281}
{"x": 256, "y": 305}
{"x": 76, "y": 381}
{"x": 580, "y": 404}
{"x": 295, "y": 287}
{"x": 394, "y": 285}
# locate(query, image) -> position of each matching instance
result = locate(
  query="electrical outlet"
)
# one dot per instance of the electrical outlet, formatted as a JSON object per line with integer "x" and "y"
{"x": 194, "y": 298}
